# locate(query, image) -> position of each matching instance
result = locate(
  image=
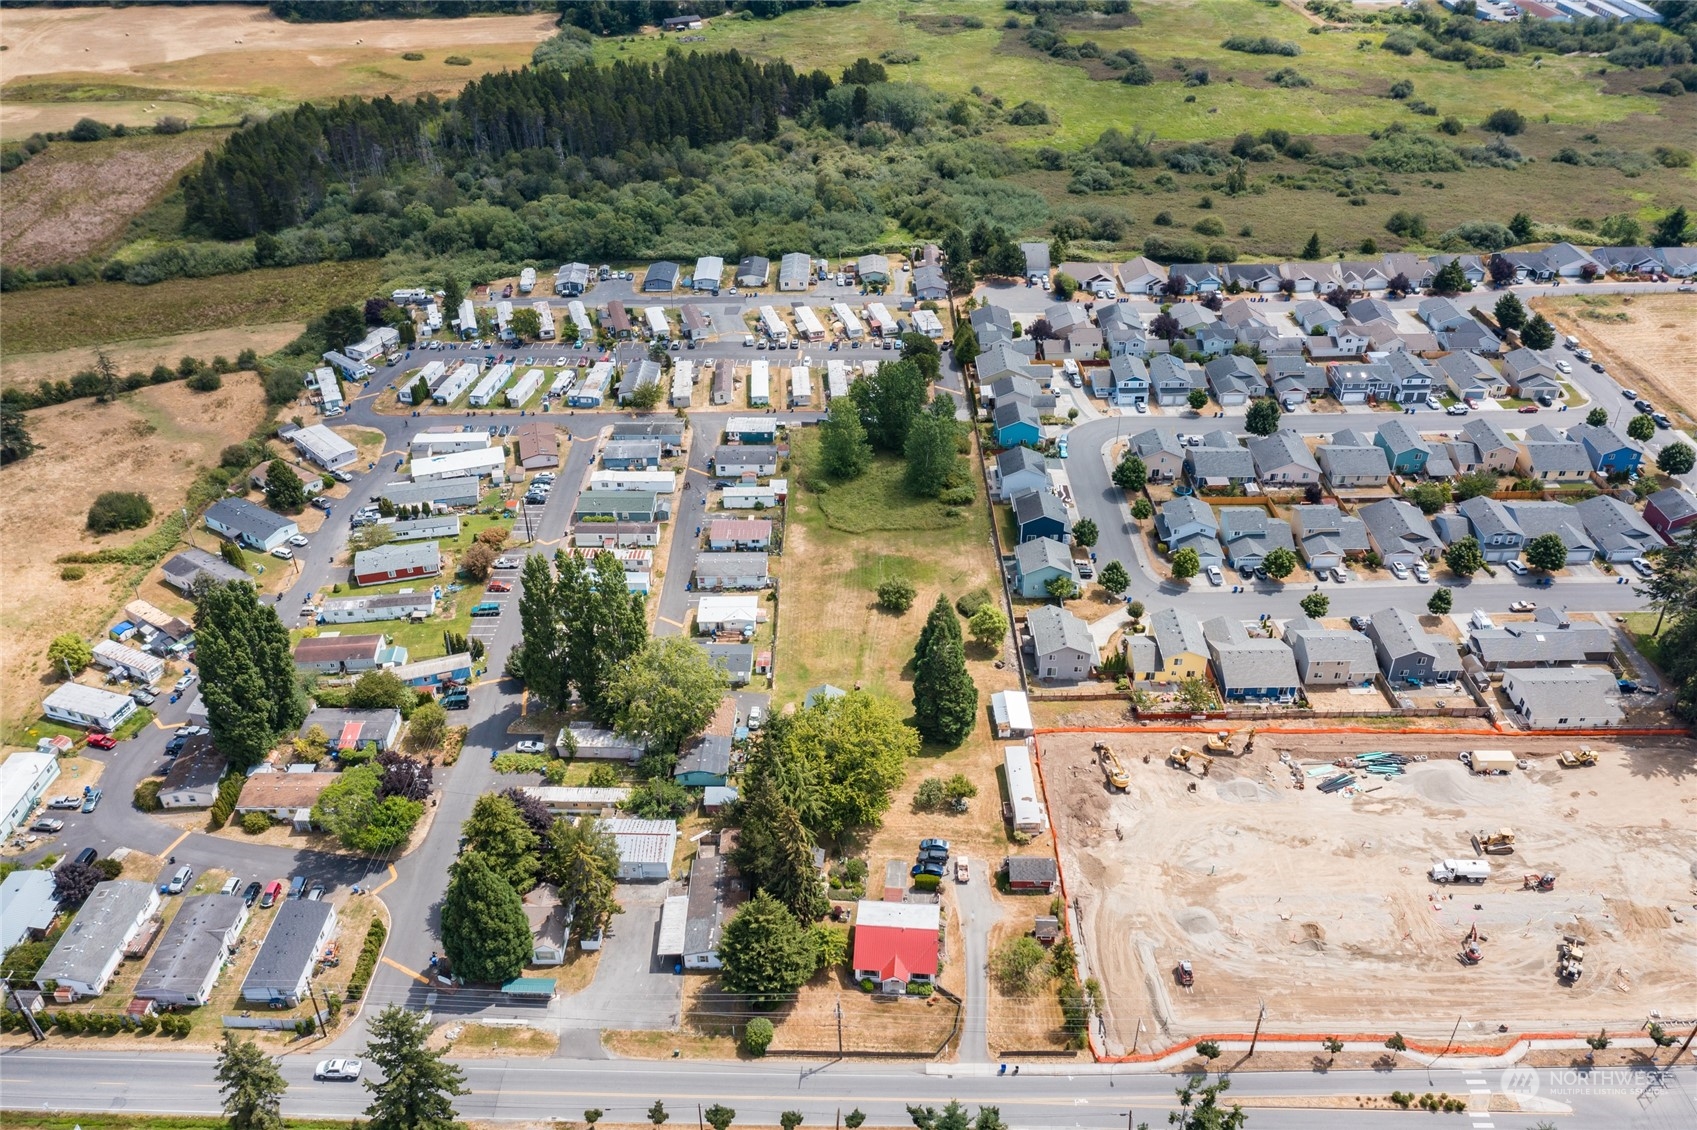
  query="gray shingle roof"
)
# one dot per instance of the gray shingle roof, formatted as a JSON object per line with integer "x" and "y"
{"x": 1541, "y": 643}
{"x": 1177, "y": 632}
{"x": 1016, "y": 411}
{"x": 288, "y": 950}
{"x": 1567, "y": 692}
{"x": 1615, "y": 526}
{"x": 1147, "y": 443}
{"x": 254, "y": 522}
{"x": 192, "y": 944}
{"x": 1311, "y": 643}
{"x": 1283, "y": 448}
{"x": 1188, "y": 510}
{"x": 1539, "y": 518}
{"x": 1035, "y": 504}
{"x": 185, "y": 568}
{"x": 1489, "y": 518}
{"x": 1353, "y": 462}
{"x": 1016, "y": 459}
{"x": 1252, "y": 524}
{"x": 1552, "y": 456}
{"x": 1673, "y": 503}
{"x": 1486, "y": 435}
{"x": 1401, "y": 437}
{"x": 1326, "y": 529}
{"x": 1042, "y": 553}
{"x": 1054, "y": 629}
{"x": 1243, "y": 662}
{"x": 1399, "y": 633}
{"x": 1396, "y": 525}
{"x": 1221, "y": 463}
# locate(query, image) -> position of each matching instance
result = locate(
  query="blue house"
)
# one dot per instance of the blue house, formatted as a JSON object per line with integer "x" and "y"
{"x": 1041, "y": 515}
{"x": 1017, "y": 422}
{"x": 705, "y": 763}
{"x": 1609, "y": 453}
{"x": 436, "y": 672}
{"x": 1038, "y": 562}
{"x": 1404, "y": 449}
{"x": 750, "y": 429}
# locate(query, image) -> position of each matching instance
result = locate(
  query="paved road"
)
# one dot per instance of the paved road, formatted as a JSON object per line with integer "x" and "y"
{"x": 136, "y": 1083}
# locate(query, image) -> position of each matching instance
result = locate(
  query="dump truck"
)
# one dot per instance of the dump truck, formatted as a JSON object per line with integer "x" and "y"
{"x": 1460, "y": 871}
{"x": 1573, "y": 760}
{"x": 1118, "y": 778}
{"x": 1500, "y": 842}
{"x": 1181, "y": 756}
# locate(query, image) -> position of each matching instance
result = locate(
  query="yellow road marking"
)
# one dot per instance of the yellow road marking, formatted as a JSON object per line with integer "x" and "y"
{"x": 410, "y": 973}
{"x": 664, "y": 620}
{"x": 174, "y": 844}
{"x": 700, "y": 472}
{"x": 392, "y": 877}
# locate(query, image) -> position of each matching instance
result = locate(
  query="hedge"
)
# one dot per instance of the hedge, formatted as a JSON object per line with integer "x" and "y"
{"x": 368, "y": 955}
{"x": 229, "y": 791}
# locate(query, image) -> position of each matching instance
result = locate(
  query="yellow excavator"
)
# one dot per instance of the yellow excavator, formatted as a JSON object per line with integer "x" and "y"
{"x": 1219, "y": 742}
{"x": 1182, "y": 756}
{"x": 1572, "y": 760}
{"x": 1118, "y": 779}
{"x": 1500, "y": 842}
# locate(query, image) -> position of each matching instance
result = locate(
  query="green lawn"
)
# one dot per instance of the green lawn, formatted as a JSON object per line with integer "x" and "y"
{"x": 1641, "y": 626}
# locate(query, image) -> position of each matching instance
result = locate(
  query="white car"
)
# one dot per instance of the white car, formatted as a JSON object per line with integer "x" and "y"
{"x": 1421, "y": 573}
{"x": 530, "y": 746}
{"x": 1340, "y": 575}
{"x": 338, "y": 1070}
{"x": 506, "y": 563}
{"x": 298, "y": 540}
{"x": 283, "y": 552}
{"x": 754, "y": 718}
{"x": 1515, "y": 567}
{"x": 1643, "y": 567}
{"x": 1563, "y": 367}
{"x": 1399, "y": 570}
{"x": 1214, "y": 577}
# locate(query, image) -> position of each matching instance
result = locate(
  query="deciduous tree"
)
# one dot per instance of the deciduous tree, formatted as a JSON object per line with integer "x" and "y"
{"x": 1279, "y": 563}
{"x": 284, "y": 490}
{"x": 1113, "y": 578}
{"x": 1185, "y": 564}
{"x": 1315, "y": 605}
{"x": 1131, "y": 473}
{"x": 989, "y": 627}
{"x": 69, "y": 654}
{"x": 1464, "y": 557}
{"x": 1676, "y": 458}
{"x": 888, "y": 401}
{"x": 1085, "y": 533}
{"x": 1263, "y": 416}
{"x": 1641, "y": 428}
{"x": 665, "y": 694}
{"x": 1443, "y": 599}
{"x": 1547, "y": 552}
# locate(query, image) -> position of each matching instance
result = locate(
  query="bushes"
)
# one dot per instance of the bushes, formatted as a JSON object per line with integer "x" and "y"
{"x": 896, "y": 595}
{"x": 253, "y": 823}
{"x": 457, "y": 61}
{"x": 368, "y": 955}
{"x": 147, "y": 795}
{"x": 413, "y": 56}
{"x": 970, "y": 604}
{"x": 207, "y": 380}
{"x": 757, "y": 1037}
{"x": 72, "y": 573}
{"x": 1261, "y": 45}
{"x": 87, "y": 129}
{"x": 118, "y": 510}
{"x": 229, "y": 791}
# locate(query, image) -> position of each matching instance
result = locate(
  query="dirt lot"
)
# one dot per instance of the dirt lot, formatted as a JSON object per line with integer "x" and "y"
{"x": 1320, "y": 906}
{"x": 153, "y": 441}
{"x": 1650, "y": 349}
{"x": 76, "y": 198}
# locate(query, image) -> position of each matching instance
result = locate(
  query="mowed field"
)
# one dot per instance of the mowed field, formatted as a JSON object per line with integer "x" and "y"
{"x": 153, "y": 441}
{"x": 55, "y": 318}
{"x": 1646, "y": 341}
{"x": 77, "y": 198}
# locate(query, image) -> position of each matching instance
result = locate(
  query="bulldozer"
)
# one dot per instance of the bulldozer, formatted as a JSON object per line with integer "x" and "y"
{"x": 1571, "y": 760}
{"x": 1533, "y": 881}
{"x": 1118, "y": 779}
{"x": 1182, "y": 756}
{"x": 1500, "y": 842}
{"x": 1219, "y": 742}
{"x": 1570, "y": 958}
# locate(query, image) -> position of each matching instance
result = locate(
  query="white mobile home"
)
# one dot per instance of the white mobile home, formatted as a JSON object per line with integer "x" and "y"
{"x": 467, "y": 319}
{"x": 490, "y": 386}
{"x": 801, "y": 386}
{"x": 378, "y": 342}
{"x": 545, "y": 317}
{"x": 772, "y": 325}
{"x": 807, "y": 324}
{"x": 1028, "y": 814}
{"x": 752, "y": 496}
{"x": 527, "y": 280}
{"x": 662, "y": 482}
{"x": 519, "y": 395}
{"x": 114, "y": 656}
{"x": 324, "y": 447}
{"x": 426, "y": 444}
{"x": 579, "y": 314}
{"x": 852, "y": 328}
{"x": 86, "y": 706}
{"x": 563, "y": 382}
{"x": 460, "y": 464}
{"x": 457, "y": 382}
{"x": 759, "y": 384}
{"x": 836, "y": 379}
{"x": 878, "y": 317}
{"x": 593, "y": 390}
{"x": 329, "y": 390}
{"x": 432, "y": 375}
{"x": 683, "y": 384}
{"x": 927, "y": 323}
{"x": 658, "y": 328}
{"x": 504, "y": 320}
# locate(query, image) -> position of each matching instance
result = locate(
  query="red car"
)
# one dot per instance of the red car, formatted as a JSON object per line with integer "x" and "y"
{"x": 500, "y": 586}
{"x": 102, "y": 741}
{"x": 1529, "y": 408}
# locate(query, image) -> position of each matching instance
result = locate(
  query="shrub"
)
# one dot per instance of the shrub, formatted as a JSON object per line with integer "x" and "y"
{"x": 896, "y": 595}
{"x": 958, "y": 496}
{"x": 368, "y": 955}
{"x": 1261, "y": 45}
{"x": 72, "y": 573}
{"x": 457, "y": 61}
{"x": 117, "y": 510}
{"x": 253, "y": 823}
{"x": 87, "y": 129}
{"x": 757, "y": 1037}
{"x": 229, "y": 791}
{"x": 970, "y": 604}
{"x": 1508, "y": 122}
{"x": 207, "y": 380}
{"x": 147, "y": 795}
{"x": 413, "y": 56}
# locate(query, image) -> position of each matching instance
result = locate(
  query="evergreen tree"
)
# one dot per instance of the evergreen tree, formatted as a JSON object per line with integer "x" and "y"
{"x": 1670, "y": 230}
{"x": 793, "y": 878}
{"x": 484, "y": 930}
{"x": 945, "y": 699}
{"x": 966, "y": 344}
{"x": 1538, "y": 333}
{"x": 417, "y": 1087}
{"x": 1521, "y": 226}
{"x": 1510, "y": 314}
{"x": 283, "y": 488}
{"x": 15, "y": 441}
{"x": 767, "y": 955}
{"x": 1131, "y": 473}
{"x": 844, "y": 452}
{"x": 583, "y": 862}
{"x": 251, "y": 1084}
{"x": 232, "y": 553}
{"x": 1450, "y": 279}
{"x": 498, "y": 832}
{"x": 247, "y": 672}
{"x": 541, "y": 654}
{"x": 1311, "y": 249}
{"x": 930, "y": 452}
{"x": 604, "y": 624}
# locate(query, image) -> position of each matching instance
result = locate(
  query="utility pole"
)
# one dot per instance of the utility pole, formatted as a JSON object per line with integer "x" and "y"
{"x": 1683, "y": 1047}
{"x": 700, "y": 1119}
{"x": 1257, "y": 1035}
{"x": 839, "y": 1028}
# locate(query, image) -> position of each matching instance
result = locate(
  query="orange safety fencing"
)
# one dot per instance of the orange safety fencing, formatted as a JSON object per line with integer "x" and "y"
{"x": 1261, "y": 728}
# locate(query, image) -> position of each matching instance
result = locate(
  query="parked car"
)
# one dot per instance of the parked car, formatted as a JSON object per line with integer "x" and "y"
{"x": 91, "y": 800}
{"x": 919, "y": 869}
{"x": 1597, "y": 366}
{"x": 322, "y": 503}
{"x": 506, "y": 563}
{"x": 337, "y": 1070}
{"x": 273, "y": 891}
{"x": 1638, "y": 563}
{"x": 1661, "y": 420}
{"x": 755, "y": 718}
{"x": 1523, "y": 606}
{"x": 1421, "y": 573}
{"x": 1626, "y": 686}
{"x": 1399, "y": 570}
{"x": 1629, "y": 393}
{"x": 1456, "y": 410}
{"x": 251, "y": 895}
{"x": 87, "y": 856}
{"x": 316, "y": 894}
{"x": 180, "y": 880}
{"x": 299, "y": 540}
{"x": 1515, "y": 567}
{"x": 185, "y": 682}
{"x": 1340, "y": 575}
{"x": 934, "y": 845}
{"x": 1563, "y": 367}
{"x": 963, "y": 870}
{"x": 1214, "y": 577}
{"x": 102, "y": 741}
{"x": 499, "y": 586}
{"x": 1643, "y": 405}
{"x": 144, "y": 696}
{"x": 531, "y": 746}
{"x": 283, "y": 553}
{"x": 67, "y": 801}
{"x": 48, "y": 824}
{"x": 1528, "y": 409}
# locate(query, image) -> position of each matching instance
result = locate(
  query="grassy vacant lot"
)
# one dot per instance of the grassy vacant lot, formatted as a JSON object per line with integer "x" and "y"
{"x": 75, "y": 199}
{"x": 34, "y": 321}
{"x": 144, "y": 353}
{"x": 154, "y": 441}
{"x": 1645, "y": 340}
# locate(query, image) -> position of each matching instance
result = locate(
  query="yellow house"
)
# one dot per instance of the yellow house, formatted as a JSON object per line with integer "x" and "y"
{"x": 1180, "y": 651}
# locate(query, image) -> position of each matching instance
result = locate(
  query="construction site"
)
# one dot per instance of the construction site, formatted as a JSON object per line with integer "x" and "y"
{"x": 1370, "y": 883}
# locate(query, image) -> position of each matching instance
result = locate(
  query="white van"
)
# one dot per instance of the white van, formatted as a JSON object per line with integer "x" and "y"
{"x": 231, "y": 886}
{"x": 179, "y": 881}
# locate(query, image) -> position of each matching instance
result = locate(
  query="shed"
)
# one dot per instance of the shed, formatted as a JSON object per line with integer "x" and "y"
{"x": 1011, "y": 711}
{"x": 1032, "y": 873}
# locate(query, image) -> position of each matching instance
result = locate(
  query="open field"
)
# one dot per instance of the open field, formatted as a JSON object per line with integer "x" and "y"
{"x": 74, "y": 199}
{"x": 54, "y": 318}
{"x": 143, "y": 354}
{"x": 154, "y": 441}
{"x": 1320, "y": 905}
{"x": 20, "y": 119}
{"x": 1646, "y": 341}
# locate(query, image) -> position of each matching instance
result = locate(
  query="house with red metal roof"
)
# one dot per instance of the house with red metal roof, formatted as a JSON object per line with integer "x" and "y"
{"x": 896, "y": 944}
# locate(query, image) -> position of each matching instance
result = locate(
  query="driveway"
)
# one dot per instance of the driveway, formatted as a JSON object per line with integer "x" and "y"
{"x": 977, "y": 909}
{"x": 632, "y": 988}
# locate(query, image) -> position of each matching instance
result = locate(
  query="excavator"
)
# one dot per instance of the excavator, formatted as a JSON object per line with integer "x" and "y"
{"x": 1470, "y": 953}
{"x": 1571, "y": 760}
{"x": 1118, "y": 778}
{"x": 1500, "y": 842}
{"x": 1219, "y": 742}
{"x": 1182, "y": 756}
{"x": 1533, "y": 881}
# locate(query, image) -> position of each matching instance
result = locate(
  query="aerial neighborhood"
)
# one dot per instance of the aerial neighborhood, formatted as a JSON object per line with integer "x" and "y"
{"x": 819, "y": 627}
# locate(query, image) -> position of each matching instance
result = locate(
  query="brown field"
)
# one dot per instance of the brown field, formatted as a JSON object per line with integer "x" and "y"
{"x": 1320, "y": 905}
{"x": 154, "y": 441}
{"x": 144, "y": 353}
{"x": 1651, "y": 349}
{"x": 75, "y": 199}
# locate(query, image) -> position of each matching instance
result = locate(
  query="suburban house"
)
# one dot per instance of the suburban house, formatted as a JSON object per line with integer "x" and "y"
{"x": 282, "y": 796}
{"x": 704, "y": 761}
{"x": 550, "y": 924}
{"x": 571, "y": 280}
{"x": 875, "y": 269}
{"x": 670, "y": 433}
{"x": 299, "y": 933}
{"x": 1669, "y": 511}
{"x": 1017, "y": 422}
{"x": 397, "y": 562}
{"x": 1009, "y": 386}
{"x": 1036, "y": 261}
{"x": 253, "y": 526}
{"x": 1354, "y": 383}
{"x": 1282, "y": 459}
{"x": 1404, "y": 450}
{"x": 1123, "y": 331}
{"x": 736, "y": 614}
{"x": 1220, "y": 461}
{"x": 1399, "y": 533}
{"x": 1545, "y": 454}
{"x": 1561, "y": 519}
{"x": 1329, "y": 657}
{"x": 709, "y": 274}
{"x": 1189, "y": 523}
{"x": 896, "y": 943}
{"x": 717, "y": 571}
{"x": 1172, "y": 381}
{"x": 1017, "y": 470}
{"x": 1096, "y": 279}
{"x": 1295, "y": 379}
{"x": 88, "y": 953}
{"x": 349, "y": 728}
{"x": 1316, "y": 317}
{"x": 192, "y": 781}
{"x": 1550, "y": 639}
{"x": 1039, "y": 561}
{"x": 631, "y": 455}
{"x": 1619, "y": 532}
{"x": 1233, "y": 380}
{"x": 1563, "y": 698}
{"x": 1352, "y": 460}
{"x": 1495, "y": 527}
{"x": 1041, "y": 514}
{"x": 1496, "y": 452}
{"x": 183, "y": 571}
{"x": 1610, "y": 452}
{"x": 1327, "y": 535}
{"x": 660, "y": 277}
{"x": 930, "y": 284}
{"x": 1531, "y": 375}
{"x": 1141, "y": 276}
{"x": 1442, "y": 313}
{"x": 1197, "y": 278}
{"x": 340, "y": 655}
{"x": 1061, "y": 644}
{"x": 88, "y": 707}
{"x": 1129, "y": 378}
{"x": 1036, "y": 874}
{"x": 1249, "y": 534}
{"x": 1258, "y": 278}
{"x": 795, "y": 271}
{"x": 1408, "y": 652}
{"x": 1181, "y": 648}
{"x": 417, "y": 605}
{"x": 1470, "y": 377}
{"x": 1472, "y": 266}
{"x": 1161, "y": 452}
{"x": 192, "y": 951}
{"x": 1250, "y": 667}
{"x": 1311, "y": 278}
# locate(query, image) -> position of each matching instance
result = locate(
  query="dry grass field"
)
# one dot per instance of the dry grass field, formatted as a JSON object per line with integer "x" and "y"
{"x": 1646, "y": 341}
{"x": 74, "y": 200}
{"x": 143, "y": 354}
{"x": 154, "y": 441}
